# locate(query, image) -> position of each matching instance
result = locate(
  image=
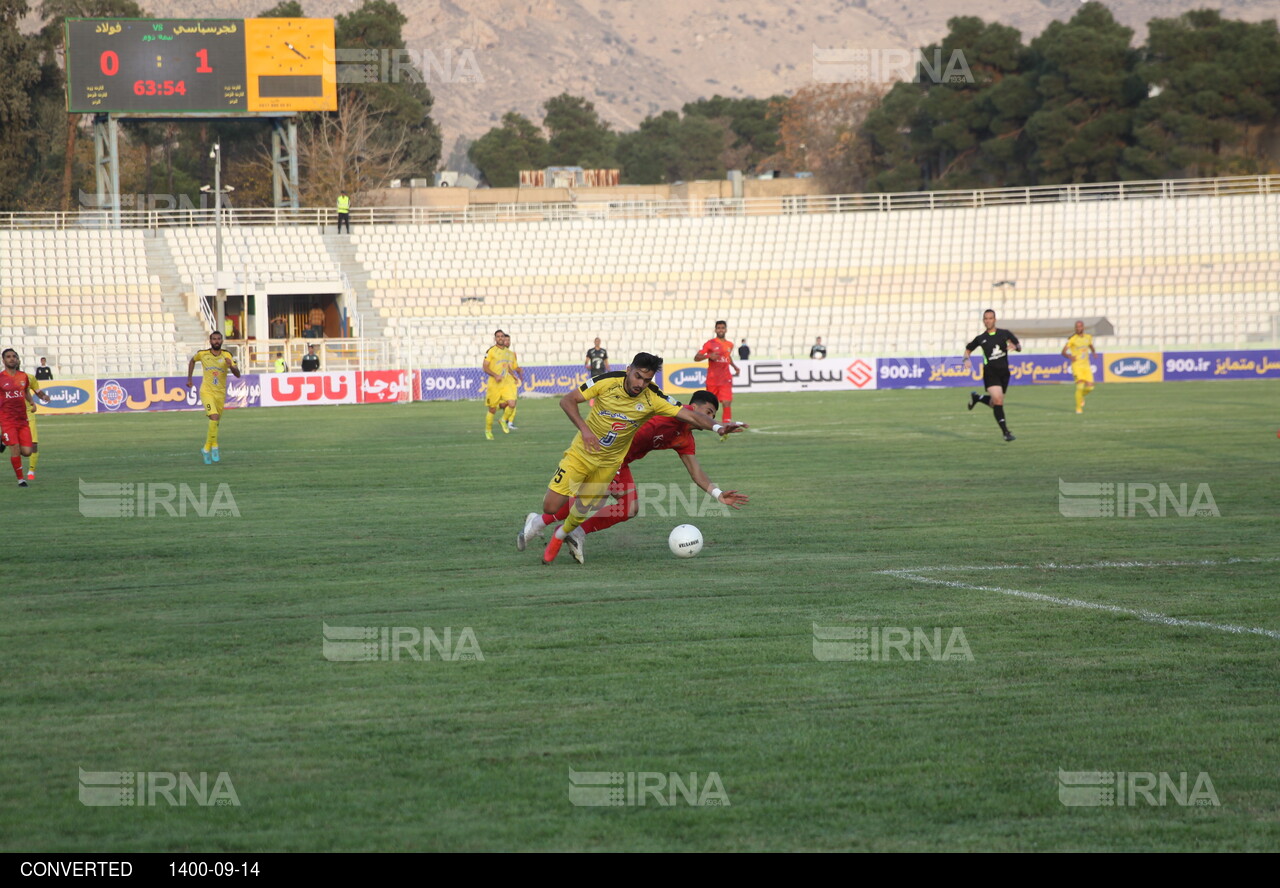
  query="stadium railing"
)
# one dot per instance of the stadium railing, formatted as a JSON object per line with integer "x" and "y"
{"x": 630, "y": 208}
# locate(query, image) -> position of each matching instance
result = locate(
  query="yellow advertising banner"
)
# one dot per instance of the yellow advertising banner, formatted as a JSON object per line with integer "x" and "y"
{"x": 1133, "y": 367}
{"x": 69, "y": 396}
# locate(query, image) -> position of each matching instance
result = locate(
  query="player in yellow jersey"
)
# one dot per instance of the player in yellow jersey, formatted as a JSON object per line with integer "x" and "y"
{"x": 213, "y": 390}
{"x": 623, "y": 402}
{"x": 502, "y": 369}
{"x": 509, "y": 413}
{"x": 1079, "y": 347}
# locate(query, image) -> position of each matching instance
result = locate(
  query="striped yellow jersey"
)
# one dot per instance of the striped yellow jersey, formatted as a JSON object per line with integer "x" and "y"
{"x": 616, "y": 416}
{"x": 1078, "y": 347}
{"x": 215, "y": 370}
{"x": 502, "y": 361}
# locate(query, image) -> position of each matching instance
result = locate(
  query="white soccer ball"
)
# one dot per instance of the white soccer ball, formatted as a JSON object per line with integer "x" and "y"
{"x": 685, "y": 541}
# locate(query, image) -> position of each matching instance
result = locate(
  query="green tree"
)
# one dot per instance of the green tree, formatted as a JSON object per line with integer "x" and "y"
{"x": 1215, "y": 88}
{"x": 504, "y": 151}
{"x": 888, "y": 131}
{"x": 753, "y": 129}
{"x": 1088, "y": 87}
{"x": 668, "y": 149}
{"x": 960, "y": 124}
{"x": 576, "y": 134}
{"x": 404, "y": 104}
{"x": 17, "y": 112}
{"x": 53, "y": 38}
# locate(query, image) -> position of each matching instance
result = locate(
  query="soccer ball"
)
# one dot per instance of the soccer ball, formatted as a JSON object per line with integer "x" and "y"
{"x": 685, "y": 541}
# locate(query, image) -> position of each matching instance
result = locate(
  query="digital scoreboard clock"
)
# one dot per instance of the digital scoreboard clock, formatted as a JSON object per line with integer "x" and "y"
{"x": 200, "y": 65}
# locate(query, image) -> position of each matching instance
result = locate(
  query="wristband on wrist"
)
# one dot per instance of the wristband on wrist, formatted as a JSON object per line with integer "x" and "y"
{"x": 716, "y": 427}
{"x": 715, "y": 492}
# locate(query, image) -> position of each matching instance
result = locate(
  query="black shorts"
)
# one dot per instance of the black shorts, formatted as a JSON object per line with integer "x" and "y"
{"x": 995, "y": 376}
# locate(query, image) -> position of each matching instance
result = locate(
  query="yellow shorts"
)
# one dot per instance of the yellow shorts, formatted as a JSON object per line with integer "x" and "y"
{"x": 1083, "y": 372}
{"x": 495, "y": 395}
{"x": 581, "y": 476}
{"x": 213, "y": 402}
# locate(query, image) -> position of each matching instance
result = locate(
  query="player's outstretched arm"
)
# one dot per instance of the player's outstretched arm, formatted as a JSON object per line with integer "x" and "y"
{"x": 569, "y": 404}
{"x": 702, "y": 421}
{"x": 728, "y": 497}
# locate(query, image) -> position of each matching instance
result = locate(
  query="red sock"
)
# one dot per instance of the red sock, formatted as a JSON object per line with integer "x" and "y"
{"x": 603, "y": 519}
{"x": 17, "y": 466}
{"x": 559, "y": 515}
{"x": 728, "y": 412}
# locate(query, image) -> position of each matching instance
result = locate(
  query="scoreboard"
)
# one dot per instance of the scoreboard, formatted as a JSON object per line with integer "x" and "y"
{"x": 180, "y": 66}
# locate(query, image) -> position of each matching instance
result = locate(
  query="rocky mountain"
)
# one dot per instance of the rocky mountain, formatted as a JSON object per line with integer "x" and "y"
{"x": 633, "y": 58}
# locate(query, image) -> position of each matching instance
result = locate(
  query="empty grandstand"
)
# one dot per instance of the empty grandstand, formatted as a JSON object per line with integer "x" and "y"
{"x": 1186, "y": 263}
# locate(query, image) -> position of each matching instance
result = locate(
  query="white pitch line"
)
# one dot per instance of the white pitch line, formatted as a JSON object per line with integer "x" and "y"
{"x": 1148, "y": 616}
{"x": 1096, "y": 565}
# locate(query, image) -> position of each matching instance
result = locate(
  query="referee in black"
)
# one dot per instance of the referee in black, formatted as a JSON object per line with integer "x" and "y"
{"x": 995, "y": 367}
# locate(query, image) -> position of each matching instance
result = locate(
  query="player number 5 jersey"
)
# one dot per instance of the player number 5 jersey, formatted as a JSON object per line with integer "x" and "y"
{"x": 617, "y": 415}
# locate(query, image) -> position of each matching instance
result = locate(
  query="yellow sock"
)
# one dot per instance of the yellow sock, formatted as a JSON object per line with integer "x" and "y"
{"x": 509, "y": 415}
{"x": 573, "y": 519}
{"x": 31, "y": 462}
{"x": 1079, "y": 395}
{"x": 488, "y": 422}
{"x": 211, "y": 438}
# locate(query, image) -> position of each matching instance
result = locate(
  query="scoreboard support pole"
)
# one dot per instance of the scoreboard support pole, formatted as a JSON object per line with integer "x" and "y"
{"x": 106, "y": 157}
{"x": 284, "y": 156}
{"x": 284, "y": 163}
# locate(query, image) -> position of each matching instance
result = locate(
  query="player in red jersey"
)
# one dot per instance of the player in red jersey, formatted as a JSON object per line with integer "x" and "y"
{"x": 718, "y": 352}
{"x": 659, "y": 433}
{"x": 16, "y": 391}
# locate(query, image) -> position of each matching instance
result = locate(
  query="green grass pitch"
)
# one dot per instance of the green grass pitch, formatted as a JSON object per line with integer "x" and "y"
{"x": 194, "y": 644}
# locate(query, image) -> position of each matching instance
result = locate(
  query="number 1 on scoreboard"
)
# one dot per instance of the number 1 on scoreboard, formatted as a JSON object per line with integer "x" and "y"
{"x": 203, "y": 56}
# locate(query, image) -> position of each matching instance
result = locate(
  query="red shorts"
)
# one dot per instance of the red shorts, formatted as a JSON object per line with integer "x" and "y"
{"x": 722, "y": 390}
{"x": 16, "y": 434}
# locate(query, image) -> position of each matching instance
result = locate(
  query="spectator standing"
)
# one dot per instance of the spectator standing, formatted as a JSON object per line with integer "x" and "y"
{"x": 311, "y": 360}
{"x": 819, "y": 351}
{"x": 344, "y": 211}
{"x": 744, "y": 351}
{"x": 44, "y": 373}
{"x": 316, "y": 320}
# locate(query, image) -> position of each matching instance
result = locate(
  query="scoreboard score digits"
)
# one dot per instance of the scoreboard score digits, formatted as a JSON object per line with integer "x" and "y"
{"x": 200, "y": 65}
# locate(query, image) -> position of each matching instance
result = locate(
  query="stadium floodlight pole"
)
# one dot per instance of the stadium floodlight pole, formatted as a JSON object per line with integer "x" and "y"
{"x": 220, "y": 306}
{"x": 220, "y": 310}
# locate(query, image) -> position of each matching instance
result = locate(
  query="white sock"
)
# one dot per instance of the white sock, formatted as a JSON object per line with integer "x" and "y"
{"x": 560, "y": 532}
